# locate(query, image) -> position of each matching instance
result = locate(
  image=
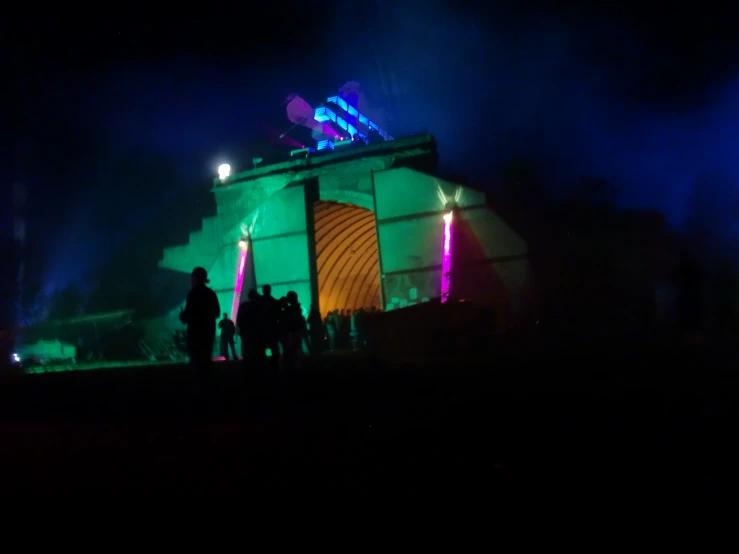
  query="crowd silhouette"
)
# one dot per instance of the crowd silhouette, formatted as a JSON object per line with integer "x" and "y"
{"x": 274, "y": 332}
{"x": 347, "y": 329}
{"x": 278, "y": 326}
{"x": 265, "y": 323}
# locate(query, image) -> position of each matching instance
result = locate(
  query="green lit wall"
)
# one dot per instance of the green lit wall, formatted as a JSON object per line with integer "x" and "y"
{"x": 410, "y": 210}
{"x": 235, "y": 201}
{"x": 280, "y": 244}
{"x": 410, "y": 235}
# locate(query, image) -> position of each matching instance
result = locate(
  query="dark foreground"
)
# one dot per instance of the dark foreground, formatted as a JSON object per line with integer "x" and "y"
{"x": 615, "y": 445}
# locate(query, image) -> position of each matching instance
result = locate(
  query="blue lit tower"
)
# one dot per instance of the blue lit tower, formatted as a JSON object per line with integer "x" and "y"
{"x": 350, "y": 94}
{"x": 348, "y": 123}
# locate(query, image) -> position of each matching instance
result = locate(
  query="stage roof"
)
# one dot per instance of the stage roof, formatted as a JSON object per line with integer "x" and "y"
{"x": 327, "y": 157}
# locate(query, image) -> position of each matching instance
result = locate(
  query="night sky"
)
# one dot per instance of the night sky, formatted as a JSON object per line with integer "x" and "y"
{"x": 118, "y": 122}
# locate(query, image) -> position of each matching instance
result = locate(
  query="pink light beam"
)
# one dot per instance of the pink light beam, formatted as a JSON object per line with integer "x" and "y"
{"x": 239, "y": 284}
{"x": 446, "y": 260}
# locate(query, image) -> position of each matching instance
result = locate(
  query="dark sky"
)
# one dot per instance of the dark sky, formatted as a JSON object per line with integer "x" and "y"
{"x": 116, "y": 120}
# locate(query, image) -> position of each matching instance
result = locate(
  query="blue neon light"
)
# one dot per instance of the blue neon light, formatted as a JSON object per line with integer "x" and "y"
{"x": 325, "y": 144}
{"x": 324, "y": 113}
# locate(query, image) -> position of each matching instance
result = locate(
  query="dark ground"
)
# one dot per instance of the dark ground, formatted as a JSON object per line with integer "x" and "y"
{"x": 627, "y": 445}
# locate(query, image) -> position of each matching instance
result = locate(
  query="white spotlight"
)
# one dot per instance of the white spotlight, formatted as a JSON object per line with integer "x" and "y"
{"x": 224, "y": 170}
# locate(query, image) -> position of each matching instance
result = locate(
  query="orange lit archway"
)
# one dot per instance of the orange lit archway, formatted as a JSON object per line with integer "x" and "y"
{"x": 347, "y": 259}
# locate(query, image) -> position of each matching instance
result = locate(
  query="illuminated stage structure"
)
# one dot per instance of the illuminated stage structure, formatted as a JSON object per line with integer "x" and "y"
{"x": 347, "y": 122}
{"x": 356, "y": 225}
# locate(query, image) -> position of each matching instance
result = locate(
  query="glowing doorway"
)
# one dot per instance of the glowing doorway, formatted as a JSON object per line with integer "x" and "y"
{"x": 347, "y": 261}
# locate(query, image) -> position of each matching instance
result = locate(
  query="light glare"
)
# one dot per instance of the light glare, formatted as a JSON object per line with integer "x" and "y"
{"x": 446, "y": 260}
{"x": 224, "y": 171}
{"x": 238, "y": 285}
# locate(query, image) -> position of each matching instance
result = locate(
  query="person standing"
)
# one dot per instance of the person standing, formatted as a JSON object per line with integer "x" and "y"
{"x": 330, "y": 324}
{"x": 293, "y": 330}
{"x": 201, "y": 311}
{"x": 251, "y": 329}
{"x": 228, "y": 331}
{"x": 271, "y": 312}
{"x": 317, "y": 331}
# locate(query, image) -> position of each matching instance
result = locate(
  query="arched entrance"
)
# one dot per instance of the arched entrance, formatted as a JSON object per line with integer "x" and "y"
{"x": 347, "y": 261}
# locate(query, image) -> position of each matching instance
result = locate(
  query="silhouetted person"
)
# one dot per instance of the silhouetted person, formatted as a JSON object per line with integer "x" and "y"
{"x": 200, "y": 314}
{"x": 345, "y": 330}
{"x": 317, "y": 331}
{"x": 369, "y": 322}
{"x": 251, "y": 329}
{"x": 331, "y": 330}
{"x": 228, "y": 330}
{"x": 271, "y": 324}
{"x": 361, "y": 332}
{"x": 353, "y": 326}
{"x": 293, "y": 330}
